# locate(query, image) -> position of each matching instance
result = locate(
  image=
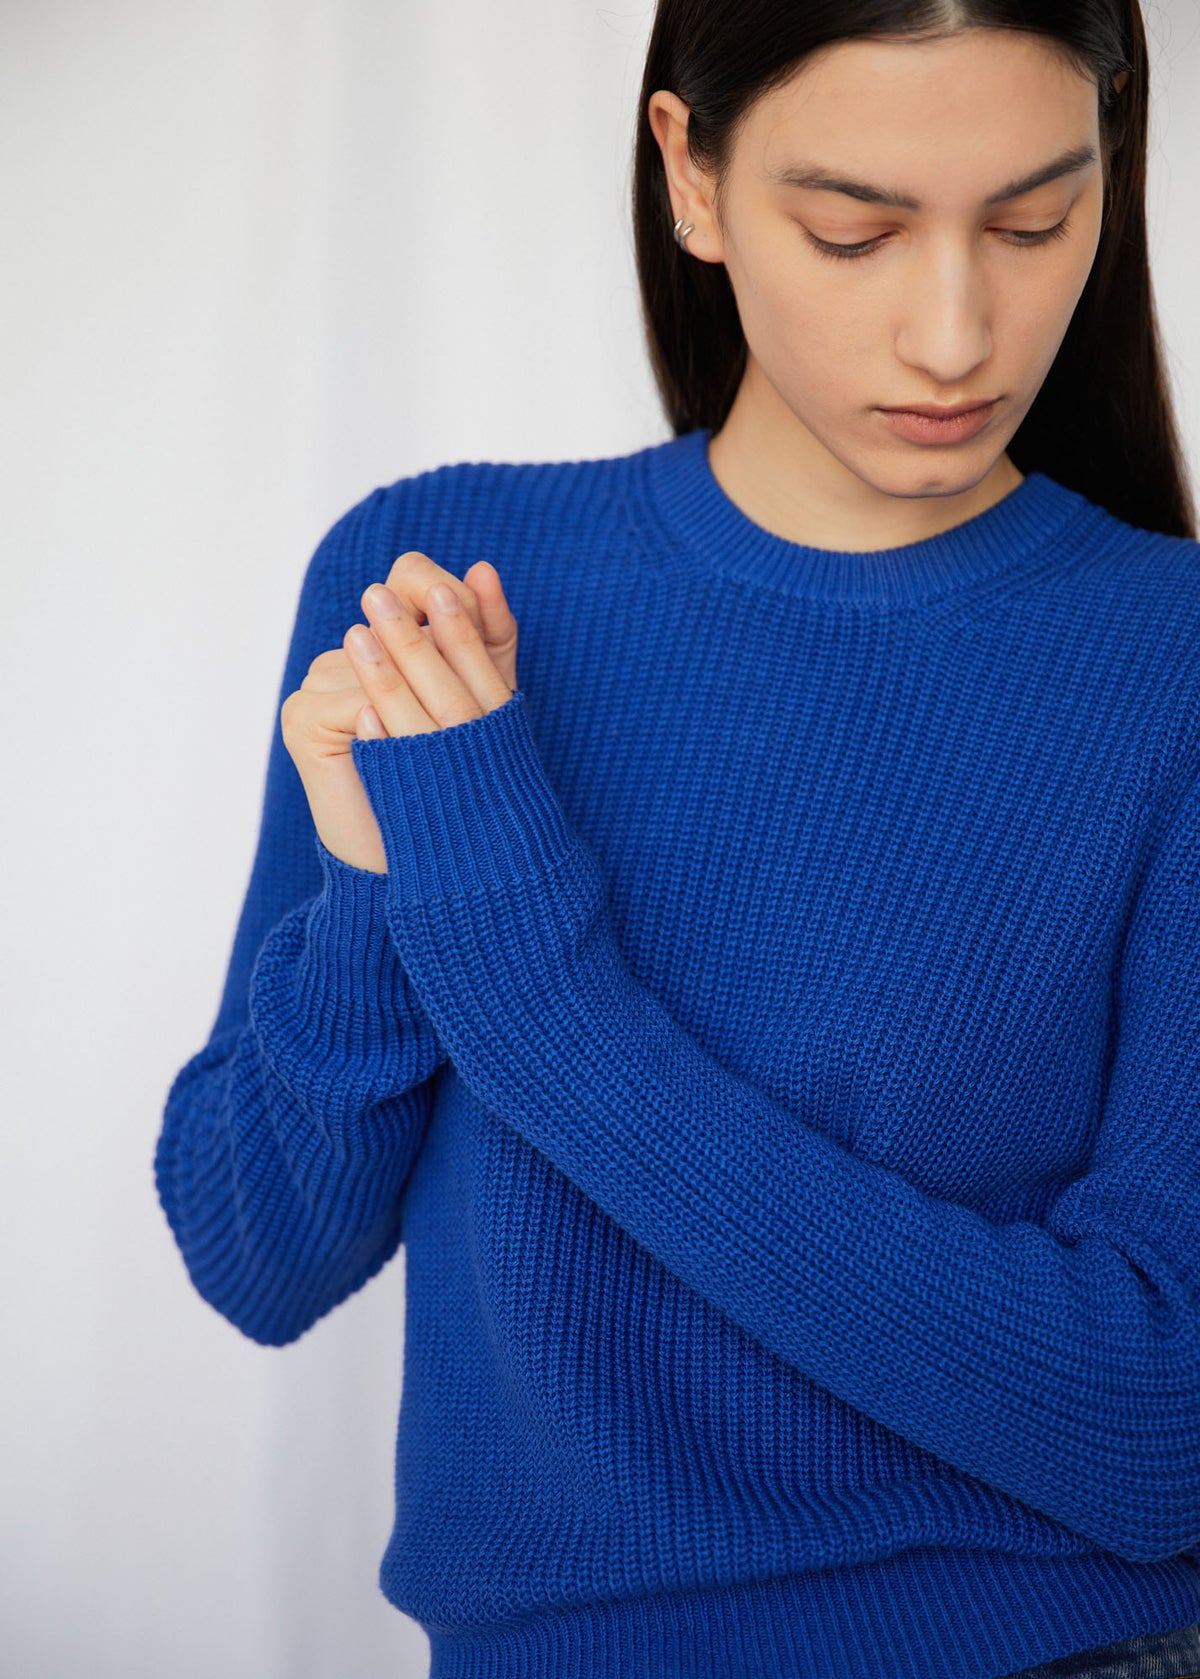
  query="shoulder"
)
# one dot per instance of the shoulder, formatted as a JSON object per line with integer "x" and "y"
{"x": 1146, "y": 573}
{"x": 497, "y": 505}
{"x": 1145, "y": 585}
{"x": 471, "y": 510}
{"x": 530, "y": 519}
{"x": 1129, "y": 596}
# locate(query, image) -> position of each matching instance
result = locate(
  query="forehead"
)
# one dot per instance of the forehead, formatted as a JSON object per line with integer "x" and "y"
{"x": 959, "y": 122}
{"x": 980, "y": 87}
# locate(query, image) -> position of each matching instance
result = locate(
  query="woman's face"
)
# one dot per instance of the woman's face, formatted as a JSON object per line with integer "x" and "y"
{"x": 954, "y": 299}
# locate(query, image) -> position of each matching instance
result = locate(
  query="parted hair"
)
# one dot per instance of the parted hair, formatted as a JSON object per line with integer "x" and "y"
{"x": 1103, "y": 422}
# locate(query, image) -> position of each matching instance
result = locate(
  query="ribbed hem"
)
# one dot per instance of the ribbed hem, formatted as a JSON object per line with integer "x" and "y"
{"x": 676, "y": 502}
{"x": 466, "y": 808}
{"x": 927, "y": 1613}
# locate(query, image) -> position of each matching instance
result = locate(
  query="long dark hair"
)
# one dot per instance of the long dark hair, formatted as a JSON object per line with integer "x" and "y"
{"x": 1103, "y": 422}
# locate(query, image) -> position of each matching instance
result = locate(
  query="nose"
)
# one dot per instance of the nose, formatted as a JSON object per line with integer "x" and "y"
{"x": 944, "y": 327}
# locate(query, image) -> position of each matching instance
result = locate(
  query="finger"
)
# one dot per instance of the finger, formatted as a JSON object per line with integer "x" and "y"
{"x": 332, "y": 671}
{"x": 453, "y": 678}
{"x": 465, "y": 652}
{"x": 326, "y": 719}
{"x": 499, "y": 625}
{"x": 405, "y": 677}
{"x": 413, "y": 575}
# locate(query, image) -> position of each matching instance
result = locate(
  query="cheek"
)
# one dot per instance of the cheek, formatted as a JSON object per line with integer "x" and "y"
{"x": 784, "y": 303}
{"x": 814, "y": 359}
{"x": 810, "y": 334}
{"x": 1045, "y": 295}
{"x": 1079, "y": 275}
{"x": 1038, "y": 310}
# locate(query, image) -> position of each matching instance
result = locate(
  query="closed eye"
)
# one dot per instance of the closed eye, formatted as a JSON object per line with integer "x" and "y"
{"x": 1022, "y": 241}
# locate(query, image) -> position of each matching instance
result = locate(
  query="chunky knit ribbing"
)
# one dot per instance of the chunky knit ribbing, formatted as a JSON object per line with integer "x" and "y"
{"x": 776, "y": 1041}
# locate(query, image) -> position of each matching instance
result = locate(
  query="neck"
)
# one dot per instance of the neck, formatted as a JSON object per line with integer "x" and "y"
{"x": 783, "y": 478}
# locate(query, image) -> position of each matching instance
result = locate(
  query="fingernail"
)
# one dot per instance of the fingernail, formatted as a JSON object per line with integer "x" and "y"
{"x": 445, "y": 597}
{"x": 364, "y": 643}
{"x": 383, "y": 601}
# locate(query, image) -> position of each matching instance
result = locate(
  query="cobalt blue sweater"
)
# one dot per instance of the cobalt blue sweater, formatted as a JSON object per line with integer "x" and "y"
{"x": 776, "y": 1041}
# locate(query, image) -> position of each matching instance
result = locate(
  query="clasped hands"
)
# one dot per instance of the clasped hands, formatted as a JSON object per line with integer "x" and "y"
{"x": 417, "y": 667}
{"x": 459, "y": 664}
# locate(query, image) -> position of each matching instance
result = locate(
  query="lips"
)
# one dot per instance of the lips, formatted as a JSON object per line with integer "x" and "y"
{"x": 945, "y": 426}
{"x": 932, "y": 411}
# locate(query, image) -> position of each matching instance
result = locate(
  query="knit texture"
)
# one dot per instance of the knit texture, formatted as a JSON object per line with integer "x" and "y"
{"x": 776, "y": 1041}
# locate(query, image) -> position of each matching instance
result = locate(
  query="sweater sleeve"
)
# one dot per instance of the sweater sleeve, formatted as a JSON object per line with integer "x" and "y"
{"x": 287, "y": 1140}
{"x": 1058, "y": 1362}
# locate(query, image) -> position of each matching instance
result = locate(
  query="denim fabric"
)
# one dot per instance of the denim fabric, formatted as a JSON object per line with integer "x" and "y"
{"x": 1155, "y": 1655}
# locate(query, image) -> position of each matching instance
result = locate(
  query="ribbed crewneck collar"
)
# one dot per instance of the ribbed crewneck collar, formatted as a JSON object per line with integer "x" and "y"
{"x": 688, "y": 505}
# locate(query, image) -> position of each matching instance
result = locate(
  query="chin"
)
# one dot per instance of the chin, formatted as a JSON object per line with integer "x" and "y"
{"x": 923, "y": 476}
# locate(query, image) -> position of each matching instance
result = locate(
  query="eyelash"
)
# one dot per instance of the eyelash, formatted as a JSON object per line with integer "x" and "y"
{"x": 855, "y": 253}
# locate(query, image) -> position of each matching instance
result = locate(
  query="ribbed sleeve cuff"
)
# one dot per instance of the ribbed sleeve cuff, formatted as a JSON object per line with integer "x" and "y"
{"x": 335, "y": 1012}
{"x": 348, "y": 964}
{"x": 466, "y": 808}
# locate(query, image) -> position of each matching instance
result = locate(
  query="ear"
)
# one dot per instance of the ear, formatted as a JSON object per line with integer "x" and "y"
{"x": 689, "y": 188}
{"x": 1119, "y": 81}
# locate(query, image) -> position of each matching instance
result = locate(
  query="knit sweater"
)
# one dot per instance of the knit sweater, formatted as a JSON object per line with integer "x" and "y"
{"x": 776, "y": 1043}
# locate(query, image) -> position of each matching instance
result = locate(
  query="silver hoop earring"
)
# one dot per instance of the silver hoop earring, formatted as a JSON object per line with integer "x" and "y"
{"x": 681, "y": 234}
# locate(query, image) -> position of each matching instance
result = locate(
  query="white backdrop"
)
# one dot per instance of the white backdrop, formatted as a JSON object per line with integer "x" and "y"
{"x": 257, "y": 259}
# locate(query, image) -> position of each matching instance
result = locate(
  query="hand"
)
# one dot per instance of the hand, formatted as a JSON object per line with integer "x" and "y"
{"x": 322, "y": 717}
{"x": 422, "y": 677}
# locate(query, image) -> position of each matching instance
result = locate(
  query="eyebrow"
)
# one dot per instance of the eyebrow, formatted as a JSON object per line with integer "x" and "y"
{"x": 820, "y": 180}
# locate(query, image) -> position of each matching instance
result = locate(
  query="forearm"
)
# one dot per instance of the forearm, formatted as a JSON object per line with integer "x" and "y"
{"x": 1059, "y": 1363}
{"x": 286, "y": 1143}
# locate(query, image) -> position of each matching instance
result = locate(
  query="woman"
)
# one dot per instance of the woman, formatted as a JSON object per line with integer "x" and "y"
{"x": 770, "y": 1023}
